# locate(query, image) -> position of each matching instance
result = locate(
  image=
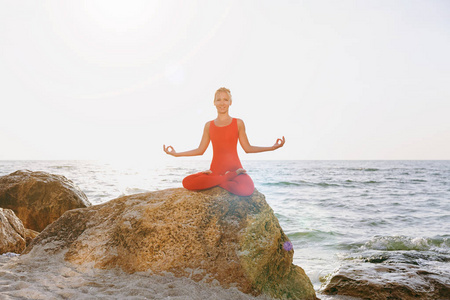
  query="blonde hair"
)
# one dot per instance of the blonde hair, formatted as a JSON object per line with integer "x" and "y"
{"x": 223, "y": 89}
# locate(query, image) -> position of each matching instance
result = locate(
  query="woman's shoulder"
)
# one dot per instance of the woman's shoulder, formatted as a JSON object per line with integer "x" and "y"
{"x": 239, "y": 121}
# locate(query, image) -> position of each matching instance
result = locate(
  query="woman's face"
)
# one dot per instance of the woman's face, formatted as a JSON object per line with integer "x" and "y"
{"x": 222, "y": 102}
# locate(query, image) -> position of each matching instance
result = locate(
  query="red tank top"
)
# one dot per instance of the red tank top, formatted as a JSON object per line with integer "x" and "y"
{"x": 224, "y": 141}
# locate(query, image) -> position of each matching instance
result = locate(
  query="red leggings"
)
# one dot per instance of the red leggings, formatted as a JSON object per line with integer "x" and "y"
{"x": 241, "y": 185}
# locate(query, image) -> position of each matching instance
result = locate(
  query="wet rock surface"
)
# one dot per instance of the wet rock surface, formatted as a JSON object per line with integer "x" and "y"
{"x": 206, "y": 236}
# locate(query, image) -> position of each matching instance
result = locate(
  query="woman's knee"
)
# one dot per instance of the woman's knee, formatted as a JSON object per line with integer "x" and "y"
{"x": 200, "y": 181}
{"x": 247, "y": 189}
{"x": 186, "y": 184}
{"x": 246, "y": 192}
{"x": 248, "y": 186}
{"x": 189, "y": 182}
{"x": 244, "y": 186}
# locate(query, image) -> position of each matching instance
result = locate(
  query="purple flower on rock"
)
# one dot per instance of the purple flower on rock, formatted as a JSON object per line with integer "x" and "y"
{"x": 288, "y": 246}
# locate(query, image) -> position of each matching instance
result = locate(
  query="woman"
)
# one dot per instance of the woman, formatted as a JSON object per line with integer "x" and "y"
{"x": 226, "y": 170}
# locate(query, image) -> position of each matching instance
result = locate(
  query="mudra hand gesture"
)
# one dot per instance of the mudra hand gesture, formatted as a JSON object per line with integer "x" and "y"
{"x": 169, "y": 150}
{"x": 279, "y": 143}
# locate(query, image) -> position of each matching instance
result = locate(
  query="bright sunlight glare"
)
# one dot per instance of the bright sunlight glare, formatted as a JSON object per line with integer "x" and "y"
{"x": 120, "y": 16}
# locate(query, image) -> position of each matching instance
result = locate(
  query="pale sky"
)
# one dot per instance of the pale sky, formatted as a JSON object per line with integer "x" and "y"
{"x": 116, "y": 80}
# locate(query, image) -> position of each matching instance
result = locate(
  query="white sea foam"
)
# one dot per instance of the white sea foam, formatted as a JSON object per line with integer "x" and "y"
{"x": 392, "y": 243}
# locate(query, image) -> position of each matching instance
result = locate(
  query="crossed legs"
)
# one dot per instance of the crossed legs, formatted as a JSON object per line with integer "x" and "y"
{"x": 238, "y": 184}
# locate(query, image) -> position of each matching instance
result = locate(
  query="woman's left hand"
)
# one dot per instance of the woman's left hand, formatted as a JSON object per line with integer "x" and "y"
{"x": 279, "y": 143}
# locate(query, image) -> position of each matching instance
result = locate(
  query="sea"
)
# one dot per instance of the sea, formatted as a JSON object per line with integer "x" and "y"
{"x": 334, "y": 213}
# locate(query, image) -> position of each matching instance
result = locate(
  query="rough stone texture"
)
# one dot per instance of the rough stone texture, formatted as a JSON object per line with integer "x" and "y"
{"x": 208, "y": 235}
{"x": 39, "y": 198}
{"x": 382, "y": 282}
{"x": 12, "y": 232}
{"x": 30, "y": 234}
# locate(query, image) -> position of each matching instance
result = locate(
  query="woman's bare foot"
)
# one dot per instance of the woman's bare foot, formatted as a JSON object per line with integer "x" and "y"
{"x": 238, "y": 172}
{"x": 241, "y": 171}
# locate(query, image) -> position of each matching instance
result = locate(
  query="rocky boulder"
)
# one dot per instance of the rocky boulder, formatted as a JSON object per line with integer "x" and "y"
{"x": 208, "y": 236}
{"x": 13, "y": 236}
{"x": 384, "y": 281}
{"x": 39, "y": 198}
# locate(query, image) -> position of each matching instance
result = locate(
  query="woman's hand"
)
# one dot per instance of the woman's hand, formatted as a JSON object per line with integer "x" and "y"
{"x": 169, "y": 150}
{"x": 279, "y": 143}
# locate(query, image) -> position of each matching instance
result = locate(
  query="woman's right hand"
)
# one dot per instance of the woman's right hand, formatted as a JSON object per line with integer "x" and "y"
{"x": 169, "y": 150}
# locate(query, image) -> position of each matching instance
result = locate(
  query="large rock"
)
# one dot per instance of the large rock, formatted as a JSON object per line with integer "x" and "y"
{"x": 39, "y": 198}
{"x": 13, "y": 236}
{"x": 209, "y": 235}
{"x": 384, "y": 281}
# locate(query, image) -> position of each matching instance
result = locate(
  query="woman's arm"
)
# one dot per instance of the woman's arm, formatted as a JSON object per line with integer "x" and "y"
{"x": 245, "y": 144}
{"x": 204, "y": 143}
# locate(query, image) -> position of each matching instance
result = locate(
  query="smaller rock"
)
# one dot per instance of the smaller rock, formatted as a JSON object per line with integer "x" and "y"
{"x": 386, "y": 281}
{"x": 12, "y": 232}
{"x": 39, "y": 198}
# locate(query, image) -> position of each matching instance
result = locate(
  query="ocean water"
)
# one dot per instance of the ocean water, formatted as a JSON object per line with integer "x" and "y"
{"x": 334, "y": 212}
